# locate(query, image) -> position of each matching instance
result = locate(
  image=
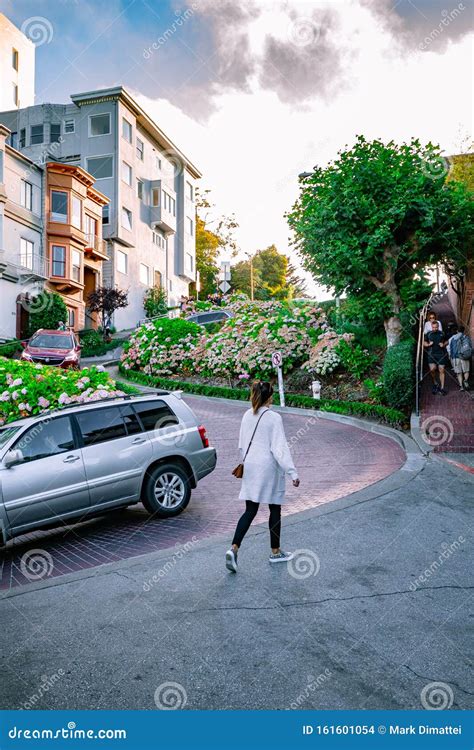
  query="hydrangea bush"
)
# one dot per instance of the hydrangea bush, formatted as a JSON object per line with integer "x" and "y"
{"x": 242, "y": 347}
{"x": 27, "y": 389}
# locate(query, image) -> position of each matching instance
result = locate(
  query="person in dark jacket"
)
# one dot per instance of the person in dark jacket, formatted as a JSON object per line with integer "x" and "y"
{"x": 435, "y": 347}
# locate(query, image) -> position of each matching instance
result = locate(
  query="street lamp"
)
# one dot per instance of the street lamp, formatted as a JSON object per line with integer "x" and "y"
{"x": 304, "y": 175}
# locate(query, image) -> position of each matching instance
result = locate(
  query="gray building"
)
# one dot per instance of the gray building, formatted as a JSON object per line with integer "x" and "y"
{"x": 150, "y": 222}
{"x": 22, "y": 260}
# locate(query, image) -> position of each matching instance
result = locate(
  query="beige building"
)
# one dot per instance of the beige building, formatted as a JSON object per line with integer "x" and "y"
{"x": 17, "y": 68}
{"x": 75, "y": 249}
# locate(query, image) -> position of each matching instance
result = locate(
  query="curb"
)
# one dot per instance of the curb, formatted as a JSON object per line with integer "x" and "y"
{"x": 417, "y": 435}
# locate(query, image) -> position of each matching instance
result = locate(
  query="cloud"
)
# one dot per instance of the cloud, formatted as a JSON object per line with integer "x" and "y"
{"x": 305, "y": 63}
{"x": 423, "y": 25}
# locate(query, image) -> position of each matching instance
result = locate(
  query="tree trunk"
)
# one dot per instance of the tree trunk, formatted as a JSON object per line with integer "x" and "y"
{"x": 393, "y": 329}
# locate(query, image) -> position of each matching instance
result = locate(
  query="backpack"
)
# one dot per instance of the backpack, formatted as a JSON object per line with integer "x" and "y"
{"x": 464, "y": 347}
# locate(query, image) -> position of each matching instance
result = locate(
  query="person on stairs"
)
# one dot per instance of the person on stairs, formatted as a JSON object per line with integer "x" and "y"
{"x": 435, "y": 346}
{"x": 460, "y": 352}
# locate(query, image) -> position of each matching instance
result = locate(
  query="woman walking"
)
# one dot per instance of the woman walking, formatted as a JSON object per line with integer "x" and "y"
{"x": 266, "y": 459}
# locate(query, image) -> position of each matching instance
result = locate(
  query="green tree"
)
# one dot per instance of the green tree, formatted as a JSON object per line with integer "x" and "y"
{"x": 212, "y": 236}
{"x": 272, "y": 267}
{"x": 46, "y": 310}
{"x": 296, "y": 285}
{"x": 240, "y": 279}
{"x": 155, "y": 302}
{"x": 371, "y": 221}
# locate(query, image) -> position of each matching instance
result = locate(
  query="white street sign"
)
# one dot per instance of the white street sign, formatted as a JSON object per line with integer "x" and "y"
{"x": 277, "y": 359}
{"x": 224, "y": 273}
{"x": 224, "y": 286}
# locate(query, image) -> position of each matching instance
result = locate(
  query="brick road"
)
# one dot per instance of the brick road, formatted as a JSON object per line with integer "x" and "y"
{"x": 332, "y": 459}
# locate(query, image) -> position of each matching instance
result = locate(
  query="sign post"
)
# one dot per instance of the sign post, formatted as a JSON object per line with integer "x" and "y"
{"x": 224, "y": 276}
{"x": 277, "y": 361}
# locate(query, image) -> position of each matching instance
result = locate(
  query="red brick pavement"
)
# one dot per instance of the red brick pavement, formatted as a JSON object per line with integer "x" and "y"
{"x": 333, "y": 460}
{"x": 447, "y": 421}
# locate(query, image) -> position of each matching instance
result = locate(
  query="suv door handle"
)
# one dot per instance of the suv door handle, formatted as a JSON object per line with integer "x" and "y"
{"x": 70, "y": 459}
{"x": 138, "y": 440}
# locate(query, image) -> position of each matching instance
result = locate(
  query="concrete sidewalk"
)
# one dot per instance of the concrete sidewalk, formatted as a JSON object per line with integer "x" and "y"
{"x": 373, "y": 610}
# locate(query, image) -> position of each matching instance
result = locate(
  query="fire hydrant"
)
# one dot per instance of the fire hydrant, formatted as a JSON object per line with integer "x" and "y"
{"x": 316, "y": 389}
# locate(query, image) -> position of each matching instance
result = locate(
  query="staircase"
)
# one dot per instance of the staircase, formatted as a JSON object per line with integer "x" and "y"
{"x": 447, "y": 421}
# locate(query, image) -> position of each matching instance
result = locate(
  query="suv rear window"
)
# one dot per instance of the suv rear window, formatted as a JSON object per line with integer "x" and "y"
{"x": 155, "y": 415}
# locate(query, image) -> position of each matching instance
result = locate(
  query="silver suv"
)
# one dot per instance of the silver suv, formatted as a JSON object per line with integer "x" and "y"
{"x": 83, "y": 460}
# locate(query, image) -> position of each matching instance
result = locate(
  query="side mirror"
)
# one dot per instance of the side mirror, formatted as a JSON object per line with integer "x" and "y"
{"x": 24, "y": 344}
{"x": 12, "y": 457}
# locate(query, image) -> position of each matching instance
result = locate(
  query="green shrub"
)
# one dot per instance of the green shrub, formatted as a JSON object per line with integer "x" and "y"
{"x": 392, "y": 417}
{"x": 355, "y": 359}
{"x": 155, "y": 302}
{"x": 10, "y": 348}
{"x": 47, "y": 310}
{"x": 92, "y": 343}
{"x": 399, "y": 375}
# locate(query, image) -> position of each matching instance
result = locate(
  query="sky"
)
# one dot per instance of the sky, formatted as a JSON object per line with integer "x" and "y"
{"x": 257, "y": 91}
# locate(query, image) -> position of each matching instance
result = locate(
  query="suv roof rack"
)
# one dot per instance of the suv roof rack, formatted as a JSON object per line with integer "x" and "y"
{"x": 75, "y": 405}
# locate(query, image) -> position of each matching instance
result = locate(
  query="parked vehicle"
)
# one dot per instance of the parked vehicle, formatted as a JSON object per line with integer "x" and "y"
{"x": 210, "y": 316}
{"x": 79, "y": 461}
{"x": 57, "y": 348}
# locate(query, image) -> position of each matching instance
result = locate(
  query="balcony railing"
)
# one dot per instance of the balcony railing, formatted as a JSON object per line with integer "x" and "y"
{"x": 96, "y": 244}
{"x": 31, "y": 265}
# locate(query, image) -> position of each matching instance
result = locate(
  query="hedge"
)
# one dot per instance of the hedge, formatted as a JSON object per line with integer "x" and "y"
{"x": 399, "y": 375}
{"x": 383, "y": 414}
{"x": 10, "y": 348}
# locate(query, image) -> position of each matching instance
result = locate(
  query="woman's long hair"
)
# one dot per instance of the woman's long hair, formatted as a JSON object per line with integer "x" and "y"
{"x": 260, "y": 393}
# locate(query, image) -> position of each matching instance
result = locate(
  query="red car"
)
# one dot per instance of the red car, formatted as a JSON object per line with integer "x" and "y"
{"x": 57, "y": 348}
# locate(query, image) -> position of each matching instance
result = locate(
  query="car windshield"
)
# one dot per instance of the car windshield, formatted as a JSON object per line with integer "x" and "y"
{"x": 52, "y": 341}
{"x": 6, "y": 433}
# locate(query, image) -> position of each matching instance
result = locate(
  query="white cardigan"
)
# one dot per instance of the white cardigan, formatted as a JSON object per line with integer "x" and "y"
{"x": 268, "y": 459}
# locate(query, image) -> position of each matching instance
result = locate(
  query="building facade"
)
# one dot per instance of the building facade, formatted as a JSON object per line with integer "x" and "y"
{"x": 75, "y": 249}
{"x": 17, "y": 67}
{"x": 23, "y": 268}
{"x": 149, "y": 223}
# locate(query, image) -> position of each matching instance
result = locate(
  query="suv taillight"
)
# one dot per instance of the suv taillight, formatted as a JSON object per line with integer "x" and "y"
{"x": 204, "y": 438}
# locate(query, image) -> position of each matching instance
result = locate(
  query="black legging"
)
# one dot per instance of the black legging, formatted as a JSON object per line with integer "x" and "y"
{"x": 251, "y": 510}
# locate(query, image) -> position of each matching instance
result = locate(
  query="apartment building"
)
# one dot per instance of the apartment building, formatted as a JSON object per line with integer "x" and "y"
{"x": 149, "y": 222}
{"x": 75, "y": 249}
{"x": 23, "y": 270}
{"x": 17, "y": 67}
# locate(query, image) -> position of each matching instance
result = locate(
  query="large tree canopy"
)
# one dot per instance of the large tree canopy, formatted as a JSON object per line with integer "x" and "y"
{"x": 371, "y": 221}
{"x": 274, "y": 277}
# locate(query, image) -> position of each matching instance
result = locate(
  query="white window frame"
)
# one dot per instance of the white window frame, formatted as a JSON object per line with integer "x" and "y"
{"x": 141, "y": 267}
{"x": 140, "y": 153}
{"x": 128, "y": 212}
{"x": 29, "y": 250}
{"x": 189, "y": 226}
{"x": 124, "y": 120}
{"x": 76, "y": 265}
{"x": 24, "y": 193}
{"x": 101, "y": 156}
{"x": 190, "y": 260}
{"x": 121, "y": 254}
{"x": 15, "y": 59}
{"x": 99, "y": 114}
{"x": 69, "y": 120}
{"x": 190, "y": 190}
{"x": 142, "y": 196}
{"x": 125, "y": 164}
{"x": 77, "y": 200}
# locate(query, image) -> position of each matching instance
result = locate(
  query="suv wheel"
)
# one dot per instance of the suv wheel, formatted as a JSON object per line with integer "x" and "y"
{"x": 167, "y": 490}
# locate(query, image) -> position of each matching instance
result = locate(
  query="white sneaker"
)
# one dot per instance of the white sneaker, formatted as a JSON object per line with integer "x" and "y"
{"x": 231, "y": 560}
{"x": 280, "y": 557}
